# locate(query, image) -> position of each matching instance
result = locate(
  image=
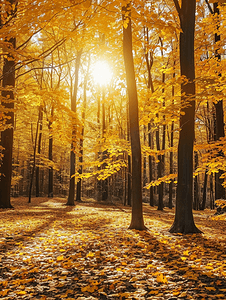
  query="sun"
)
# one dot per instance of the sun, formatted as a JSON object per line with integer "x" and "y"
{"x": 101, "y": 72}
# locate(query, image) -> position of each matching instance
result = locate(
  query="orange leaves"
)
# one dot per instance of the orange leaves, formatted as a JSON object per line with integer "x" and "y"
{"x": 161, "y": 278}
{"x": 87, "y": 252}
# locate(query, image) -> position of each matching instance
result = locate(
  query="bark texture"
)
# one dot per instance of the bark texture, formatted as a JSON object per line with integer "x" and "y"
{"x": 137, "y": 221}
{"x": 8, "y": 81}
{"x": 184, "y": 222}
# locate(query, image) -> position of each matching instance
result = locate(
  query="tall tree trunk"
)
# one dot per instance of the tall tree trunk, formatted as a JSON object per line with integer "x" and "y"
{"x": 196, "y": 185}
{"x": 39, "y": 151}
{"x": 79, "y": 183}
{"x": 8, "y": 85}
{"x": 151, "y": 168}
{"x": 203, "y": 205}
{"x": 149, "y": 64}
{"x": 50, "y": 183}
{"x": 211, "y": 192}
{"x": 129, "y": 171}
{"x": 159, "y": 169}
{"x": 171, "y": 167}
{"x": 98, "y": 182}
{"x": 71, "y": 196}
{"x": 161, "y": 163}
{"x": 104, "y": 183}
{"x": 219, "y": 125}
{"x": 34, "y": 159}
{"x": 137, "y": 221}
{"x": 171, "y": 152}
{"x": 184, "y": 221}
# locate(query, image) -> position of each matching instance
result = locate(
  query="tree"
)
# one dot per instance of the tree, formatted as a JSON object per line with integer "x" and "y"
{"x": 219, "y": 115}
{"x": 184, "y": 222}
{"x": 71, "y": 196}
{"x": 8, "y": 84}
{"x": 137, "y": 221}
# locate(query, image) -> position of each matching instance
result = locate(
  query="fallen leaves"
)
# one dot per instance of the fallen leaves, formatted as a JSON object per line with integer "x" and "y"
{"x": 86, "y": 252}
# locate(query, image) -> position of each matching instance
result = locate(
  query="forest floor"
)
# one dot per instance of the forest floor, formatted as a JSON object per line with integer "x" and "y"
{"x": 52, "y": 251}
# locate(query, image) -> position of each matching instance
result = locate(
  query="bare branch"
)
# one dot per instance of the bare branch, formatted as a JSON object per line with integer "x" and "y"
{"x": 210, "y": 8}
{"x": 177, "y": 7}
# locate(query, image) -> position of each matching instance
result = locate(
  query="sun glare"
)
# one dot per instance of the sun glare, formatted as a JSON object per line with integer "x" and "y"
{"x": 102, "y": 73}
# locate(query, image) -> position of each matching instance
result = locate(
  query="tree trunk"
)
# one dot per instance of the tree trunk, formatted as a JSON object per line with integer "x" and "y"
{"x": 203, "y": 205}
{"x": 39, "y": 151}
{"x": 151, "y": 168}
{"x": 211, "y": 192}
{"x": 171, "y": 167}
{"x": 7, "y": 134}
{"x": 159, "y": 169}
{"x": 171, "y": 152}
{"x": 184, "y": 222}
{"x": 137, "y": 221}
{"x": 104, "y": 183}
{"x": 219, "y": 125}
{"x": 98, "y": 182}
{"x": 8, "y": 74}
{"x": 50, "y": 183}
{"x": 34, "y": 159}
{"x": 79, "y": 183}
{"x": 129, "y": 171}
{"x": 71, "y": 196}
{"x": 196, "y": 185}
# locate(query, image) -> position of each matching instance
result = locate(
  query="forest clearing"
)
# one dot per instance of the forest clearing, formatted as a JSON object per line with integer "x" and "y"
{"x": 52, "y": 251}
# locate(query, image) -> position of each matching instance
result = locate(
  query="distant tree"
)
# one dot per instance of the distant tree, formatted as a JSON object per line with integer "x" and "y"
{"x": 71, "y": 196}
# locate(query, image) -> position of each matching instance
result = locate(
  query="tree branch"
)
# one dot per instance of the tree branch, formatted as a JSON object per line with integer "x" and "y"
{"x": 177, "y": 7}
{"x": 210, "y": 8}
{"x": 178, "y": 10}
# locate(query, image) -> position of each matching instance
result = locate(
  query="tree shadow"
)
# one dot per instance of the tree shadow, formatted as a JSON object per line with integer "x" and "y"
{"x": 24, "y": 213}
{"x": 183, "y": 267}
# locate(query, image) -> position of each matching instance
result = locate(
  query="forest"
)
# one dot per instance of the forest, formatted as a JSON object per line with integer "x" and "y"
{"x": 112, "y": 130}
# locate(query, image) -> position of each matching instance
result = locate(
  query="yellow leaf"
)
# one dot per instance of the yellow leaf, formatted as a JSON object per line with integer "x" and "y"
{"x": 4, "y": 292}
{"x": 210, "y": 288}
{"x": 90, "y": 254}
{"x": 61, "y": 257}
{"x": 153, "y": 292}
{"x": 21, "y": 293}
{"x": 161, "y": 278}
{"x": 89, "y": 288}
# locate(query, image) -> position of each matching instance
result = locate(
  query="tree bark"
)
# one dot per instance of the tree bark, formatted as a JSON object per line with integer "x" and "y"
{"x": 39, "y": 151}
{"x": 184, "y": 222}
{"x": 71, "y": 196}
{"x": 159, "y": 169}
{"x": 8, "y": 74}
{"x": 137, "y": 221}
{"x": 196, "y": 185}
{"x": 171, "y": 152}
{"x": 151, "y": 166}
{"x": 50, "y": 183}
{"x": 79, "y": 183}
{"x": 219, "y": 125}
{"x": 34, "y": 159}
{"x": 171, "y": 167}
{"x": 203, "y": 205}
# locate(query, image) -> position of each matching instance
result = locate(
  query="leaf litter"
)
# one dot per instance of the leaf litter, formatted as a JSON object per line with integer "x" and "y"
{"x": 52, "y": 251}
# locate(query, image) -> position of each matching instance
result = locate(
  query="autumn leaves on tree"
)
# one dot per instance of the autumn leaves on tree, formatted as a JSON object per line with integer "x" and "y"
{"x": 131, "y": 138}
